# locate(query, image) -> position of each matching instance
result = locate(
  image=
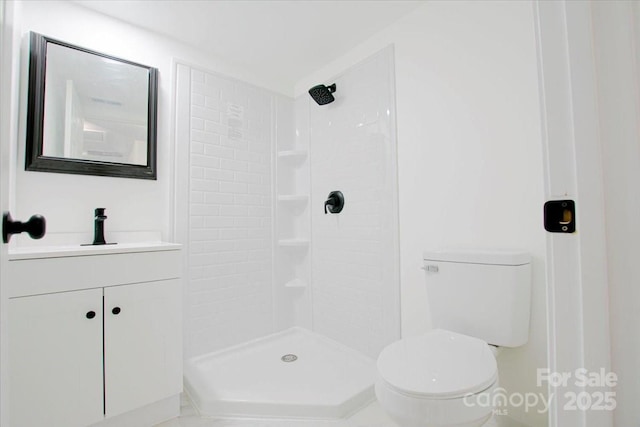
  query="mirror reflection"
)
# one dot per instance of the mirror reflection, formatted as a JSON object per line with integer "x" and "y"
{"x": 95, "y": 108}
{"x": 89, "y": 113}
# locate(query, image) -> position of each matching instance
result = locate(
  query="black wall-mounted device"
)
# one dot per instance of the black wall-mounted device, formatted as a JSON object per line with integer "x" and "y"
{"x": 560, "y": 216}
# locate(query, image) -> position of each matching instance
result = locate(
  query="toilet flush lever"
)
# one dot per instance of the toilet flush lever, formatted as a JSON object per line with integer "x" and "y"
{"x": 431, "y": 268}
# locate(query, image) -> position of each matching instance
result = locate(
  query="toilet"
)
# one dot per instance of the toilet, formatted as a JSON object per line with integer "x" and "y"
{"x": 478, "y": 300}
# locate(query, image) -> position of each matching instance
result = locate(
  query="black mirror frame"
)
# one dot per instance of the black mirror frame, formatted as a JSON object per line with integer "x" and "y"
{"x": 34, "y": 158}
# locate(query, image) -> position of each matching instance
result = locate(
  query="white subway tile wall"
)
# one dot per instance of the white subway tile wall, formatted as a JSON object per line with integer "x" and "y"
{"x": 235, "y": 131}
{"x": 230, "y": 213}
{"x": 355, "y": 253}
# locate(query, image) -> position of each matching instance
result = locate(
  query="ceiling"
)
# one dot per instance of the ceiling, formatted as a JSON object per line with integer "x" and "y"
{"x": 283, "y": 40}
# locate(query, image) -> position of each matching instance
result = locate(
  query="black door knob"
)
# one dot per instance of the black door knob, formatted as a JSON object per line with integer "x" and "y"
{"x": 36, "y": 227}
{"x": 116, "y": 310}
{"x": 91, "y": 314}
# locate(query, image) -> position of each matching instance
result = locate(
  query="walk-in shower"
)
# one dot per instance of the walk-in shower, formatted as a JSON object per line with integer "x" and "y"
{"x": 323, "y": 379}
{"x": 287, "y": 307}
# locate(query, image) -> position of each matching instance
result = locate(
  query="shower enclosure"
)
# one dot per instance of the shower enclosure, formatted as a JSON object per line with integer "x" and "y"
{"x": 305, "y": 299}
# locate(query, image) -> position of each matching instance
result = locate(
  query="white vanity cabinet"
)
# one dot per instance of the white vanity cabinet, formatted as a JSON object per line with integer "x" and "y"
{"x": 80, "y": 355}
{"x": 142, "y": 344}
{"x": 55, "y": 359}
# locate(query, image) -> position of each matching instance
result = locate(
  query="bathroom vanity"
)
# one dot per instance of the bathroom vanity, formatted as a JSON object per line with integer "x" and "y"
{"x": 94, "y": 332}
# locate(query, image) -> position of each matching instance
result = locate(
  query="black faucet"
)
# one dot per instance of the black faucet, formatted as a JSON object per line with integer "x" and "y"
{"x": 98, "y": 235}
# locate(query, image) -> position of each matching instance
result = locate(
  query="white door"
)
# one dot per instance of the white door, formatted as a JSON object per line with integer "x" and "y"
{"x": 143, "y": 352}
{"x": 55, "y": 356}
{"x": 6, "y": 10}
{"x": 576, "y": 263}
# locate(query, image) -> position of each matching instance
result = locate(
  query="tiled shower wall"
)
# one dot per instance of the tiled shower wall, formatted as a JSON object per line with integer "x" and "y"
{"x": 231, "y": 131}
{"x": 355, "y": 271}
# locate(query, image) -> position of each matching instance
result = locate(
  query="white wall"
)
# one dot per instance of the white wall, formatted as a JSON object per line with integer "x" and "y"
{"x": 469, "y": 151}
{"x": 8, "y": 129}
{"x": 355, "y": 289}
{"x": 616, "y": 27}
{"x": 137, "y": 209}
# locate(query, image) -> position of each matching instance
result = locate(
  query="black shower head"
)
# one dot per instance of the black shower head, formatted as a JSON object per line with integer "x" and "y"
{"x": 322, "y": 94}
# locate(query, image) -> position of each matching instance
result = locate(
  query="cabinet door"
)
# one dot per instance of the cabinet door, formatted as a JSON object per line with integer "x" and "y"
{"x": 143, "y": 344}
{"x": 55, "y": 359}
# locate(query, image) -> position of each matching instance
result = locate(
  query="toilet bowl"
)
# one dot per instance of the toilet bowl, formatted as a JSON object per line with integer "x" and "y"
{"x": 447, "y": 376}
{"x": 437, "y": 380}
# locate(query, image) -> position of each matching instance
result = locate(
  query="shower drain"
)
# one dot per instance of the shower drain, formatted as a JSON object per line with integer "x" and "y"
{"x": 289, "y": 358}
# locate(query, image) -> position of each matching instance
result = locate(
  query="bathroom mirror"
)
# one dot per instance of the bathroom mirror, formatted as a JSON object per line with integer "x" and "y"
{"x": 89, "y": 113}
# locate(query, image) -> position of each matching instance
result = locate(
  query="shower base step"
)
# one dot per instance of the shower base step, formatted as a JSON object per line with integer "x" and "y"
{"x": 292, "y": 374}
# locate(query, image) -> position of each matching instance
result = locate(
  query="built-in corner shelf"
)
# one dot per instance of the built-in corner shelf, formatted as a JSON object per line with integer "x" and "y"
{"x": 296, "y": 283}
{"x": 293, "y": 155}
{"x": 299, "y": 243}
{"x": 293, "y": 198}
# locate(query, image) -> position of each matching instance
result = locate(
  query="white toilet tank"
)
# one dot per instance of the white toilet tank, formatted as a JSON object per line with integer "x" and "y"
{"x": 485, "y": 294}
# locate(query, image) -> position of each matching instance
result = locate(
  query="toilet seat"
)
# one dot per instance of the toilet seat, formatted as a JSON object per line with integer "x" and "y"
{"x": 438, "y": 365}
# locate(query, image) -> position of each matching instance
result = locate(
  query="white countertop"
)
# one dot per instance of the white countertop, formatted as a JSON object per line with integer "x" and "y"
{"x": 36, "y": 252}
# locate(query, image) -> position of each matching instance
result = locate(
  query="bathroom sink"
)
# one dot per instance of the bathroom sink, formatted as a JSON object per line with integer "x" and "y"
{"x": 35, "y": 252}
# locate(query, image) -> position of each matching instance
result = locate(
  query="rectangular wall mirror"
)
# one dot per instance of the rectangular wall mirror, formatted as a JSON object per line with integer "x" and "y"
{"x": 89, "y": 113}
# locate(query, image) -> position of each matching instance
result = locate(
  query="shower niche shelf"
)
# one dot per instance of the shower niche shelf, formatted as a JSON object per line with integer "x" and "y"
{"x": 293, "y": 243}
{"x": 292, "y": 154}
{"x": 293, "y": 198}
{"x": 292, "y": 201}
{"x": 292, "y": 158}
{"x": 295, "y": 283}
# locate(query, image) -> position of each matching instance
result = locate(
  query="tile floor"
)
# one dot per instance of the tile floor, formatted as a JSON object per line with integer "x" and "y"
{"x": 370, "y": 416}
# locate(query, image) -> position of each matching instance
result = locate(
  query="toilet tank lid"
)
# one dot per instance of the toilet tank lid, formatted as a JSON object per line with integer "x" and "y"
{"x": 490, "y": 257}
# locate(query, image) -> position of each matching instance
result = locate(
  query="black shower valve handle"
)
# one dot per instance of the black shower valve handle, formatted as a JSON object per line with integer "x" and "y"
{"x": 334, "y": 203}
{"x": 327, "y": 203}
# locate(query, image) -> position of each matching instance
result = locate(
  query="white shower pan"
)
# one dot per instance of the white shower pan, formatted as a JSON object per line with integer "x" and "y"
{"x": 260, "y": 379}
